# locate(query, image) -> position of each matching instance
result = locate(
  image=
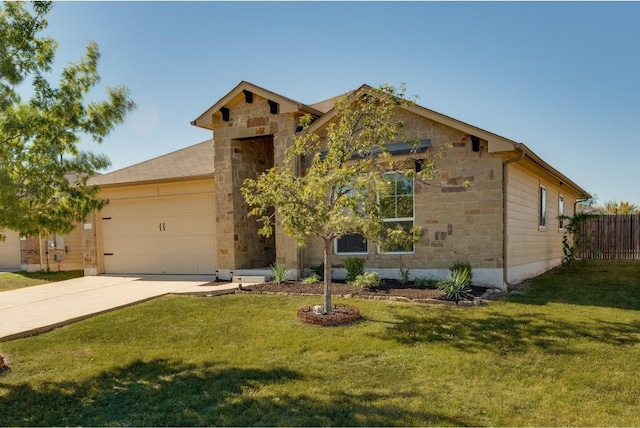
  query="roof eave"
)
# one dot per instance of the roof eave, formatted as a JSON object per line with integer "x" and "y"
{"x": 154, "y": 181}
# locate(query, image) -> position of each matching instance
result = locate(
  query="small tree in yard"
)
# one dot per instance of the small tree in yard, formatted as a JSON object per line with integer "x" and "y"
{"x": 43, "y": 174}
{"x": 338, "y": 192}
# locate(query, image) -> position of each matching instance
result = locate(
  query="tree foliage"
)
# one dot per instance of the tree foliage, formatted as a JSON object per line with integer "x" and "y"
{"x": 344, "y": 177}
{"x": 622, "y": 207}
{"x": 43, "y": 173}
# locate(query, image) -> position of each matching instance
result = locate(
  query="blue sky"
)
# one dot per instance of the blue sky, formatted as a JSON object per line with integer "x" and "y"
{"x": 563, "y": 78}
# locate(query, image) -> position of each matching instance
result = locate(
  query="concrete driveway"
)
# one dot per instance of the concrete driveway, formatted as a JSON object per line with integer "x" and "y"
{"x": 33, "y": 310}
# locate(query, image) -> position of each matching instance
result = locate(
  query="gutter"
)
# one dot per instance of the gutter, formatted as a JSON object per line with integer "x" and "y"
{"x": 505, "y": 217}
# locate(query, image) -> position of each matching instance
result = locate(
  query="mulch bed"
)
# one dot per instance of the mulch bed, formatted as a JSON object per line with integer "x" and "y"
{"x": 392, "y": 290}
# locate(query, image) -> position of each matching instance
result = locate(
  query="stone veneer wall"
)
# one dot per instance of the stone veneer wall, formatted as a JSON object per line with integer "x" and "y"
{"x": 459, "y": 224}
{"x": 30, "y": 253}
{"x": 90, "y": 246}
{"x": 247, "y": 120}
{"x": 249, "y": 158}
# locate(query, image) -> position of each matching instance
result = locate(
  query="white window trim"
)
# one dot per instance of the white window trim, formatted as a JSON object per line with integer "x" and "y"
{"x": 560, "y": 212}
{"x": 396, "y": 220}
{"x": 542, "y": 207}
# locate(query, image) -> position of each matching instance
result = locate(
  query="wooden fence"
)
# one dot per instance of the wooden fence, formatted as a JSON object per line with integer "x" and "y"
{"x": 611, "y": 237}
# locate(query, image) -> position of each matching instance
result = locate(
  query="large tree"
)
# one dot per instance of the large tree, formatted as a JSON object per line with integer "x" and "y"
{"x": 43, "y": 173}
{"x": 338, "y": 192}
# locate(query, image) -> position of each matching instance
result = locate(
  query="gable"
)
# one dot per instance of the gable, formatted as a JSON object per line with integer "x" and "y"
{"x": 246, "y": 91}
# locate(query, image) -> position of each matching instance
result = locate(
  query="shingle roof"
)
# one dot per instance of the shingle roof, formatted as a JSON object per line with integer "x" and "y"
{"x": 192, "y": 161}
{"x": 326, "y": 105}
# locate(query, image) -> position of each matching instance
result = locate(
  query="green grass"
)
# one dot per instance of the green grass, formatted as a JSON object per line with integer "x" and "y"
{"x": 13, "y": 281}
{"x": 565, "y": 354}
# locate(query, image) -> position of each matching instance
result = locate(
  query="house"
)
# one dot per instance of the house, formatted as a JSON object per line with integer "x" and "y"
{"x": 183, "y": 213}
{"x": 54, "y": 252}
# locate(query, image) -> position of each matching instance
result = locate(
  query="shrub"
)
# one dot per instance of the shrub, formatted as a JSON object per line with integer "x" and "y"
{"x": 456, "y": 285}
{"x": 462, "y": 266}
{"x": 404, "y": 275}
{"x": 279, "y": 273}
{"x": 355, "y": 267}
{"x": 318, "y": 270}
{"x": 313, "y": 279}
{"x": 423, "y": 282}
{"x": 369, "y": 280}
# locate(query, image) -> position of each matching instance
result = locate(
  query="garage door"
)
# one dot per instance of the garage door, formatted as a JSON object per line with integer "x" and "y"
{"x": 10, "y": 251}
{"x": 160, "y": 236}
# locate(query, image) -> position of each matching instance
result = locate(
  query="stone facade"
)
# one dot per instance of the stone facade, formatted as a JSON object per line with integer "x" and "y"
{"x": 459, "y": 223}
{"x": 30, "y": 253}
{"x": 252, "y": 140}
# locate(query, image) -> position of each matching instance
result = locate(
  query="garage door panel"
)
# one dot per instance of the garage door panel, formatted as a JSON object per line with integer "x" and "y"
{"x": 173, "y": 236}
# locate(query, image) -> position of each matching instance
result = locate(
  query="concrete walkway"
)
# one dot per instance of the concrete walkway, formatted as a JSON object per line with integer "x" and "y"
{"x": 38, "y": 309}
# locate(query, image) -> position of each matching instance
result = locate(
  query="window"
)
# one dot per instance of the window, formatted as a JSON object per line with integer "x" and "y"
{"x": 543, "y": 207}
{"x": 396, "y": 208}
{"x": 561, "y": 212}
{"x": 353, "y": 243}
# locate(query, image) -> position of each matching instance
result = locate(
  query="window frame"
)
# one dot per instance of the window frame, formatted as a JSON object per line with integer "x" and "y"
{"x": 542, "y": 207}
{"x": 400, "y": 219}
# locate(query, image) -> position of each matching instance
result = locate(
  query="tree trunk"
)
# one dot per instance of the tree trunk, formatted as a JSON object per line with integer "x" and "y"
{"x": 327, "y": 274}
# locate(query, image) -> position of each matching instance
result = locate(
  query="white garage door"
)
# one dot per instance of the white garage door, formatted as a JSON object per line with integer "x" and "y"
{"x": 10, "y": 251}
{"x": 160, "y": 236}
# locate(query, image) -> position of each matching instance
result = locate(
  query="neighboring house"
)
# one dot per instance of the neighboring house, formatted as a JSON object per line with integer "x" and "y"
{"x": 183, "y": 213}
{"x": 52, "y": 253}
{"x": 41, "y": 253}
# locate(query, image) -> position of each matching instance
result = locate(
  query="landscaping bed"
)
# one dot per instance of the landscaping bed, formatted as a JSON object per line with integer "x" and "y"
{"x": 390, "y": 289}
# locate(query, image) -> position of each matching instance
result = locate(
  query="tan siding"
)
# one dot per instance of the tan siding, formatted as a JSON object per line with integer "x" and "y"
{"x": 71, "y": 259}
{"x": 528, "y": 242}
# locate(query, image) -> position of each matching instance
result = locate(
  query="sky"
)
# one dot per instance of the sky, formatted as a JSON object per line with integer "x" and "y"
{"x": 563, "y": 78}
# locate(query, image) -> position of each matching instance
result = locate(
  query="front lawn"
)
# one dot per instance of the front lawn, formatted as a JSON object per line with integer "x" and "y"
{"x": 15, "y": 280}
{"x": 542, "y": 359}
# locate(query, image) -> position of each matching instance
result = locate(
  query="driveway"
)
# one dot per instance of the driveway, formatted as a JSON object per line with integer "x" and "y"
{"x": 33, "y": 310}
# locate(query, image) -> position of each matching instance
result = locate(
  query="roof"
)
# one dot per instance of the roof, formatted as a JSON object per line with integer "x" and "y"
{"x": 191, "y": 162}
{"x": 198, "y": 160}
{"x": 496, "y": 143}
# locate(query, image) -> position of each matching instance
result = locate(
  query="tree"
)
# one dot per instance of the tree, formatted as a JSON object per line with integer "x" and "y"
{"x": 43, "y": 174}
{"x": 622, "y": 207}
{"x": 338, "y": 192}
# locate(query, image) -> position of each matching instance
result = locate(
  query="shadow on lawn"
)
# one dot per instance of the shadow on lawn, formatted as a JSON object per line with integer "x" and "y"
{"x": 165, "y": 393}
{"x": 604, "y": 283}
{"x": 506, "y": 334}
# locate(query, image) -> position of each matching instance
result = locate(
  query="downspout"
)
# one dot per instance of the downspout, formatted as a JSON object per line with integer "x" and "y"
{"x": 505, "y": 216}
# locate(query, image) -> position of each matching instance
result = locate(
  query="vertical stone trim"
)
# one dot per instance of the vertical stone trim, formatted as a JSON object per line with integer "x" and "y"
{"x": 90, "y": 246}
{"x": 30, "y": 254}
